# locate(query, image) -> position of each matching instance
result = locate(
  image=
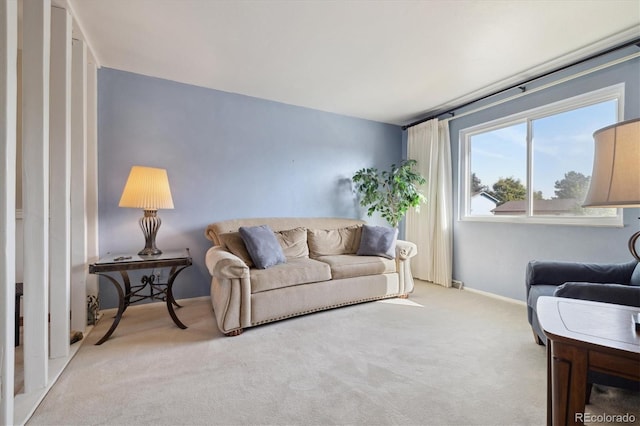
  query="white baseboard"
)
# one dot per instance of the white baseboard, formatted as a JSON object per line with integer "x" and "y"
{"x": 494, "y": 296}
{"x": 459, "y": 285}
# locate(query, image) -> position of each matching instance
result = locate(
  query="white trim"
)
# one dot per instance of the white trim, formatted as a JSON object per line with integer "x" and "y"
{"x": 605, "y": 222}
{"x": 609, "y": 93}
{"x": 8, "y": 114}
{"x": 60, "y": 189}
{"x": 79, "y": 32}
{"x": 92, "y": 175}
{"x": 36, "y": 21}
{"x": 494, "y": 296}
{"x": 79, "y": 271}
{"x": 614, "y": 92}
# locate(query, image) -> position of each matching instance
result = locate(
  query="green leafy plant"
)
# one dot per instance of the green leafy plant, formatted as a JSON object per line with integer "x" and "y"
{"x": 391, "y": 193}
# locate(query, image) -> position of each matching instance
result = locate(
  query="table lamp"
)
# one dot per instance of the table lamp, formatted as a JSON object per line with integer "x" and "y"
{"x": 615, "y": 181}
{"x": 147, "y": 188}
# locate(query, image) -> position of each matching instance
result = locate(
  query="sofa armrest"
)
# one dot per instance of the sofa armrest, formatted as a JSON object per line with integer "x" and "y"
{"x": 558, "y": 273}
{"x": 600, "y": 292}
{"x": 405, "y": 249}
{"x": 224, "y": 264}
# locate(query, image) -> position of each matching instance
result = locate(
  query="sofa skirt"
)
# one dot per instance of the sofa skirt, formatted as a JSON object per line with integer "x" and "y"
{"x": 302, "y": 299}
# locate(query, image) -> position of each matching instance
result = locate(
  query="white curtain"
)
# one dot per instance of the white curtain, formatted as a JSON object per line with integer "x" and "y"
{"x": 431, "y": 228}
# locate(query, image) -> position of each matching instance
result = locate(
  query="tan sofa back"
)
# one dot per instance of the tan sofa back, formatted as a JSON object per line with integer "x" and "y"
{"x": 278, "y": 224}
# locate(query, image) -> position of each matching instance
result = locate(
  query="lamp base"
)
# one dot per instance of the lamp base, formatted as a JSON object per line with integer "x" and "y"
{"x": 149, "y": 252}
{"x": 150, "y": 223}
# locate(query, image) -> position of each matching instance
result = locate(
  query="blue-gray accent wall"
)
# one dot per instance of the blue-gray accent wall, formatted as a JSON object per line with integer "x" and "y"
{"x": 227, "y": 156}
{"x": 492, "y": 257}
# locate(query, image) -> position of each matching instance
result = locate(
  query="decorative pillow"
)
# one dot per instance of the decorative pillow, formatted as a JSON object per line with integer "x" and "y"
{"x": 233, "y": 242}
{"x": 293, "y": 243}
{"x": 262, "y": 245}
{"x": 378, "y": 241}
{"x": 328, "y": 242}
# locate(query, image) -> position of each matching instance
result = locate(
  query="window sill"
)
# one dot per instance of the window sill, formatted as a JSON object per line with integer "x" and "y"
{"x": 612, "y": 222}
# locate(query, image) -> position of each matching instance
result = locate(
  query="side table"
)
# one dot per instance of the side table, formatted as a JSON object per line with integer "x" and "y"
{"x": 582, "y": 336}
{"x": 128, "y": 294}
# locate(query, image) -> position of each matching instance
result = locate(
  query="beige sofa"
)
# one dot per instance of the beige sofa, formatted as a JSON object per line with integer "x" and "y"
{"x": 322, "y": 271}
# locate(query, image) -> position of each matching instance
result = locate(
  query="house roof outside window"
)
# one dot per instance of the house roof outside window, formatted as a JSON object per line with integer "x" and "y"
{"x": 483, "y": 203}
{"x": 557, "y": 206}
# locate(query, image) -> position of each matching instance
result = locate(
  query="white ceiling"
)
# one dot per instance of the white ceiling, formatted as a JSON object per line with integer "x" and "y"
{"x": 389, "y": 61}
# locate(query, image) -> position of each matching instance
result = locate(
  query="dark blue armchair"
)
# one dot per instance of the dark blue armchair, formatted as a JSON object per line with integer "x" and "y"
{"x": 617, "y": 283}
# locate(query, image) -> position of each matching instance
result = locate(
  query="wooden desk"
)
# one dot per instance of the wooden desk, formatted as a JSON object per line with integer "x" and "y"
{"x": 583, "y": 336}
{"x": 128, "y": 294}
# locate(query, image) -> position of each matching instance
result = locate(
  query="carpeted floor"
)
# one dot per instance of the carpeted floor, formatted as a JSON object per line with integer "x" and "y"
{"x": 443, "y": 357}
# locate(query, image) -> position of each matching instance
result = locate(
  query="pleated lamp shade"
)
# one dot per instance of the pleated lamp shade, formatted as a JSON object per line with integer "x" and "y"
{"x": 615, "y": 181}
{"x": 147, "y": 188}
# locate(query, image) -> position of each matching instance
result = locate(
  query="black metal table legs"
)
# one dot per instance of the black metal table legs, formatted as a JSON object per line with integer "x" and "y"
{"x": 128, "y": 294}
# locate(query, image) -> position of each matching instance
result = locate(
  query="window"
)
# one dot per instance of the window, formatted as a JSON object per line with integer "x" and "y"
{"x": 535, "y": 166}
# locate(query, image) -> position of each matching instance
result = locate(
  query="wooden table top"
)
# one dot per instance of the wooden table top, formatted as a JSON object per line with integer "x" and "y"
{"x": 597, "y": 323}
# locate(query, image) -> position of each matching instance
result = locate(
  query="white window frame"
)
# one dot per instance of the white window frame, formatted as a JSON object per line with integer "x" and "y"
{"x": 615, "y": 92}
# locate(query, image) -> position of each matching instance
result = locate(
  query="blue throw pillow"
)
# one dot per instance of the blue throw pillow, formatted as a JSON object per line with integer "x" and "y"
{"x": 262, "y": 245}
{"x": 378, "y": 241}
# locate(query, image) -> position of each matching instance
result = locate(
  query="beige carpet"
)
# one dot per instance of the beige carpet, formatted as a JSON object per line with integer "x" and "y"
{"x": 443, "y": 357}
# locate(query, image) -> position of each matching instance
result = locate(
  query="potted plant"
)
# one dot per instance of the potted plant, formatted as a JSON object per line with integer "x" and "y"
{"x": 390, "y": 193}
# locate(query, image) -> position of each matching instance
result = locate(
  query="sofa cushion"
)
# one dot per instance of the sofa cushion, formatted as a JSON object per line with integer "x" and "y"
{"x": 295, "y": 271}
{"x": 262, "y": 245}
{"x": 232, "y": 241}
{"x": 214, "y": 230}
{"x": 378, "y": 241}
{"x": 327, "y": 242}
{"x": 293, "y": 242}
{"x": 349, "y": 265}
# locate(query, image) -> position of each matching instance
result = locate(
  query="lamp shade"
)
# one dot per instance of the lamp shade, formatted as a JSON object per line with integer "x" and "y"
{"x": 147, "y": 188}
{"x": 615, "y": 181}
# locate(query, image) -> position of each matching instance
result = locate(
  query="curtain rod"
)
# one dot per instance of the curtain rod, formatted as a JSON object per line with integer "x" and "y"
{"x": 520, "y": 85}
